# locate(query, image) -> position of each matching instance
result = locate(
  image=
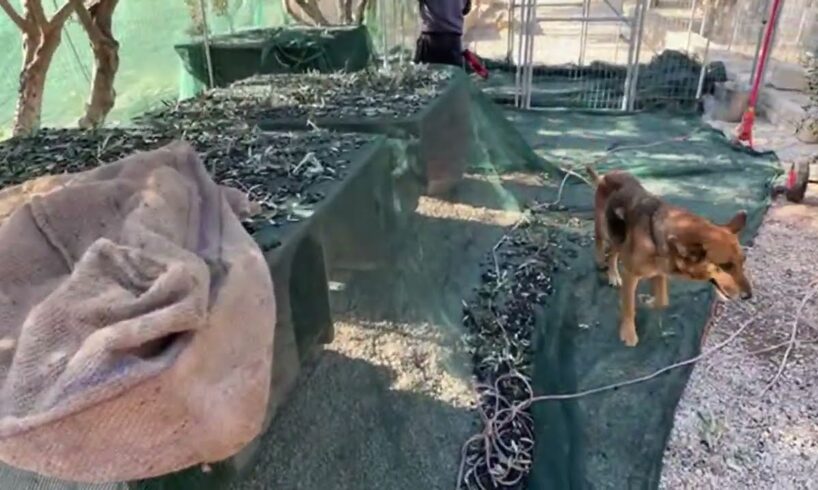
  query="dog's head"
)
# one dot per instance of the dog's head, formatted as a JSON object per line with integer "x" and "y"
{"x": 712, "y": 253}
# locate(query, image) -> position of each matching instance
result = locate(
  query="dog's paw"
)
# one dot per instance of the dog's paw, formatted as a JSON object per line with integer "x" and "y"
{"x": 627, "y": 334}
{"x": 614, "y": 279}
{"x": 655, "y": 303}
{"x": 600, "y": 260}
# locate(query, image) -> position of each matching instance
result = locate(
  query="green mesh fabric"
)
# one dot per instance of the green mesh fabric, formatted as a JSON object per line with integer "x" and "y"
{"x": 613, "y": 440}
{"x": 616, "y": 439}
{"x": 669, "y": 80}
{"x": 277, "y": 50}
{"x": 150, "y": 70}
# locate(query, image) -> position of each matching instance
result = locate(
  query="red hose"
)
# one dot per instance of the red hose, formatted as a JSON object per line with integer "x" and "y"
{"x": 475, "y": 65}
{"x": 745, "y": 130}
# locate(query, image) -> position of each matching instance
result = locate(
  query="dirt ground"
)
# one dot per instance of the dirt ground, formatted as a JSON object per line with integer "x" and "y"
{"x": 731, "y": 431}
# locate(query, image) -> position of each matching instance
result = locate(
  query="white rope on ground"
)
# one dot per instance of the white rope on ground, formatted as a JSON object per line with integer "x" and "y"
{"x": 495, "y": 425}
{"x": 505, "y": 412}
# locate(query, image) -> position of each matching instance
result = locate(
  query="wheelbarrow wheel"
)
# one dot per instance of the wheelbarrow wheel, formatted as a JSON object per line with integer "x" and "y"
{"x": 797, "y": 180}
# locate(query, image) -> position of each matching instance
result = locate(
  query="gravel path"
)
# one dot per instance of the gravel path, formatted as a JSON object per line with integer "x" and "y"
{"x": 729, "y": 432}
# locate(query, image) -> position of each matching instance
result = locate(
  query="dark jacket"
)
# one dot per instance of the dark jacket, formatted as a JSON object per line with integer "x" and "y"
{"x": 443, "y": 16}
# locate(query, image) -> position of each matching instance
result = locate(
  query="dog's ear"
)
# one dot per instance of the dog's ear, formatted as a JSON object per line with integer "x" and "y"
{"x": 738, "y": 223}
{"x": 691, "y": 251}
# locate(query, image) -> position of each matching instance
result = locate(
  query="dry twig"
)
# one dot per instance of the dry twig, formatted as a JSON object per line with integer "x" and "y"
{"x": 793, "y": 336}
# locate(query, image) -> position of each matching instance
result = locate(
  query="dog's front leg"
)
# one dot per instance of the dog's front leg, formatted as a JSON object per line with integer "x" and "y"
{"x": 627, "y": 309}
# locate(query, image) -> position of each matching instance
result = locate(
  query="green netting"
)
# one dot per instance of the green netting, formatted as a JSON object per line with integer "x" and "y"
{"x": 277, "y": 50}
{"x": 427, "y": 107}
{"x": 613, "y": 440}
{"x": 616, "y": 439}
{"x": 669, "y": 81}
{"x": 533, "y": 299}
{"x": 149, "y": 70}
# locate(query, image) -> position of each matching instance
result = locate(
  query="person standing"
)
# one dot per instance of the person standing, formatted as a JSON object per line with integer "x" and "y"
{"x": 441, "y": 36}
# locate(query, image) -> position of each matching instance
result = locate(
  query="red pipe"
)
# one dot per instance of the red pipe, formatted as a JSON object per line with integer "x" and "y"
{"x": 745, "y": 132}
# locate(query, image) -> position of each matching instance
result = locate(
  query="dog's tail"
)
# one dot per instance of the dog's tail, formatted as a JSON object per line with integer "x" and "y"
{"x": 596, "y": 179}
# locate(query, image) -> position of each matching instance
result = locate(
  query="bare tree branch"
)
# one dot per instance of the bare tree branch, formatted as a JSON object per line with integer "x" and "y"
{"x": 14, "y": 16}
{"x": 106, "y": 62}
{"x": 288, "y": 7}
{"x": 341, "y": 5}
{"x": 347, "y": 12}
{"x": 62, "y": 15}
{"x": 87, "y": 22}
{"x": 313, "y": 11}
{"x": 35, "y": 8}
{"x": 64, "y": 12}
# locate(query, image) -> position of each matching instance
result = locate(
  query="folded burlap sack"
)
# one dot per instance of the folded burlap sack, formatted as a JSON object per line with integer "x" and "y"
{"x": 136, "y": 321}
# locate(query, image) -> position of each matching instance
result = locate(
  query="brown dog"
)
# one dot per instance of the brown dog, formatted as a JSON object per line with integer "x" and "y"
{"x": 655, "y": 240}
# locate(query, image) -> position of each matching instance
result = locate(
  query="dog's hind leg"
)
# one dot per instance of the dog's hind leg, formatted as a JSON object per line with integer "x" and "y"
{"x": 658, "y": 286}
{"x": 599, "y": 246}
{"x": 627, "y": 310}
{"x": 600, "y": 236}
{"x": 614, "y": 279}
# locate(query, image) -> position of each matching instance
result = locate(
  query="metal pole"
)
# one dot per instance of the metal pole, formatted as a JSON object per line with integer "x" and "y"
{"x": 586, "y": 11}
{"x": 564, "y": 4}
{"x": 739, "y": 21}
{"x": 764, "y": 20}
{"x": 559, "y": 4}
{"x": 616, "y": 11}
{"x": 801, "y": 25}
{"x": 640, "y": 27}
{"x": 758, "y": 50}
{"x": 773, "y": 38}
{"x": 518, "y": 75}
{"x": 598, "y": 18}
{"x": 390, "y": 40}
{"x": 532, "y": 16}
{"x": 747, "y": 121}
{"x": 402, "y": 14}
{"x": 703, "y": 72}
{"x": 524, "y": 61}
{"x": 206, "y": 39}
{"x": 626, "y": 96}
{"x": 690, "y": 25}
{"x": 382, "y": 17}
{"x": 512, "y": 13}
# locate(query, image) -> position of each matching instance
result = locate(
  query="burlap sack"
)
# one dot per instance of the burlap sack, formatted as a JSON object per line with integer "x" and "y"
{"x": 136, "y": 321}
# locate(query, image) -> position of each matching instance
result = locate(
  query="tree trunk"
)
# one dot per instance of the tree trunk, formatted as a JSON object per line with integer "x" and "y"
{"x": 40, "y": 46}
{"x": 294, "y": 13}
{"x": 341, "y": 5}
{"x": 346, "y": 13}
{"x": 106, "y": 63}
{"x": 360, "y": 15}
{"x": 313, "y": 11}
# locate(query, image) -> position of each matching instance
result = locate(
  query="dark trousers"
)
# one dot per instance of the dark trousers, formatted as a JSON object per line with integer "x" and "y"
{"x": 444, "y": 49}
